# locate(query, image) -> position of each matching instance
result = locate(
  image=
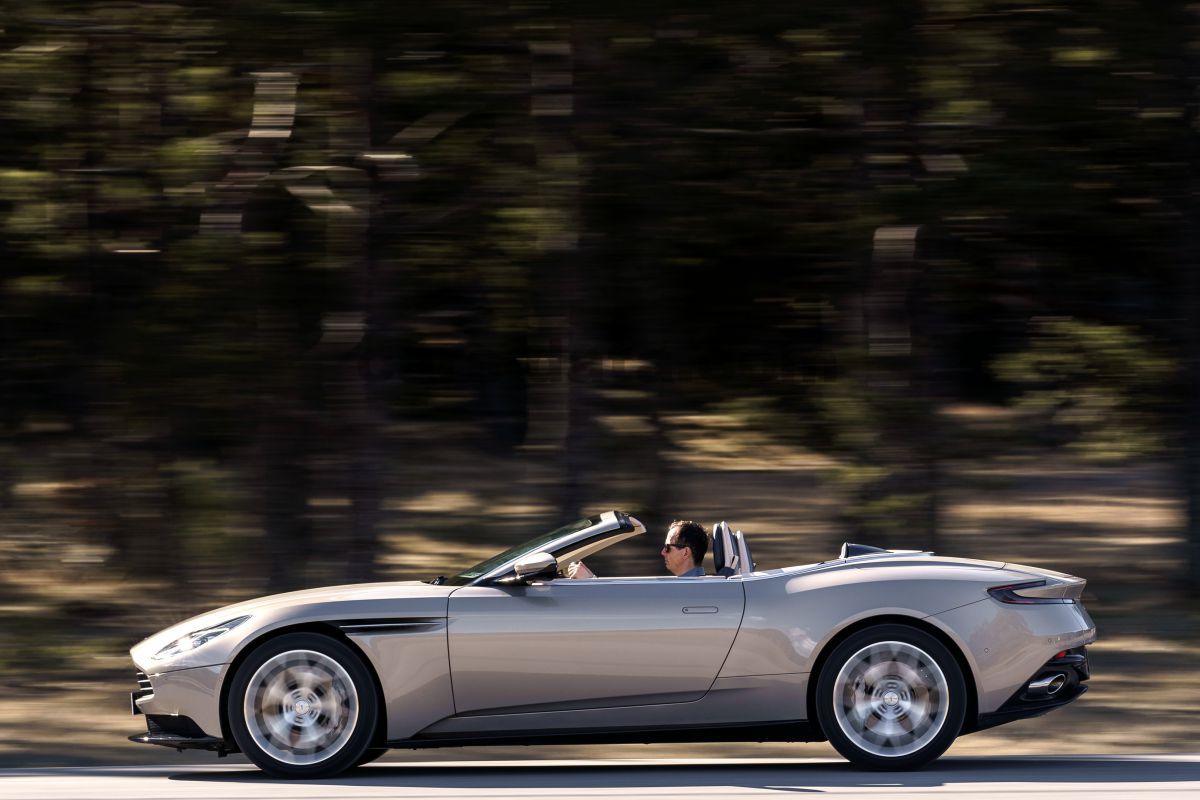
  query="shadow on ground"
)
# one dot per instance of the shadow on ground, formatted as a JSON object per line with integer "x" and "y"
{"x": 785, "y": 776}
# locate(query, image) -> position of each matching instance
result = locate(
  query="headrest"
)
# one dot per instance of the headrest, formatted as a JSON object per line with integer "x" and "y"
{"x": 745, "y": 561}
{"x": 724, "y": 550}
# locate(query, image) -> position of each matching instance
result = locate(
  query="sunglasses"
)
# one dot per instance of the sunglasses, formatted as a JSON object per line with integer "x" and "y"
{"x": 676, "y": 546}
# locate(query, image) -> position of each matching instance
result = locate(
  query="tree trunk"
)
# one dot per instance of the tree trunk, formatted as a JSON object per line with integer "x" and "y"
{"x": 552, "y": 106}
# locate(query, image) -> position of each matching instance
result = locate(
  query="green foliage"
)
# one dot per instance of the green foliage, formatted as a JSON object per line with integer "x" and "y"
{"x": 848, "y": 414}
{"x": 1102, "y": 385}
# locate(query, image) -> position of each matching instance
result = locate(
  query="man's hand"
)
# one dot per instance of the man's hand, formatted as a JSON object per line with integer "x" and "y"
{"x": 579, "y": 570}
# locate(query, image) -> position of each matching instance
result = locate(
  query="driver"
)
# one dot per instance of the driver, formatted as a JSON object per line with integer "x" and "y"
{"x": 682, "y": 552}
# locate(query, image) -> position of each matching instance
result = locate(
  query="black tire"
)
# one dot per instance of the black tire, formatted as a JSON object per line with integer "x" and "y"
{"x": 891, "y": 697}
{"x": 370, "y": 755}
{"x": 311, "y": 703}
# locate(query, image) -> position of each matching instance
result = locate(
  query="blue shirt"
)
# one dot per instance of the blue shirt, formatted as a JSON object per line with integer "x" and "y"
{"x": 694, "y": 572}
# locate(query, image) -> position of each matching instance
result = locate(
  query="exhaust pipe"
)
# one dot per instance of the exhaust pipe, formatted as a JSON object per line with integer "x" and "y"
{"x": 1046, "y": 685}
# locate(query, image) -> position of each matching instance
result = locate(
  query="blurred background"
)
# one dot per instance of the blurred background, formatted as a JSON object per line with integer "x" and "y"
{"x": 295, "y": 293}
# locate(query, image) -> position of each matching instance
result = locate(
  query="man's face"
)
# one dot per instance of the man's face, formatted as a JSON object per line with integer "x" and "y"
{"x": 677, "y": 560}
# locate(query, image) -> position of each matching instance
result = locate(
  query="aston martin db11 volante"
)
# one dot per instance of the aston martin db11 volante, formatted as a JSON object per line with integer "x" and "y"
{"x": 888, "y": 655}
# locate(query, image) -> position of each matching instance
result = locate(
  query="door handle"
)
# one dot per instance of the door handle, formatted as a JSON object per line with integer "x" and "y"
{"x": 700, "y": 609}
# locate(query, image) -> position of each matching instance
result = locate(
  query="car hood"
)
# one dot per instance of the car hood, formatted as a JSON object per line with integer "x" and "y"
{"x": 360, "y": 601}
{"x": 368, "y": 593}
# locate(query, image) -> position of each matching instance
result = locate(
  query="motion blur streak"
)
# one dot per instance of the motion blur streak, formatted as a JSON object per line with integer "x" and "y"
{"x": 297, "y": 293}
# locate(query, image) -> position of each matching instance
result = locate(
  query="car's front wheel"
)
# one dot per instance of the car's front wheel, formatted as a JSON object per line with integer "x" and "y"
{"x": 303, "y": 706}
{"x": 891, "y": 697}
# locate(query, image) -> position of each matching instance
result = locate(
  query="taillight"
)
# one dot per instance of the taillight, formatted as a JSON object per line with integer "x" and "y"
{"x": 1011, "y": 593}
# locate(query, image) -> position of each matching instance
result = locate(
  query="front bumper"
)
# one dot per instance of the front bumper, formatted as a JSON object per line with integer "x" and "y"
{"x": 180, "y": 732}
{"x": 183, "y": 704}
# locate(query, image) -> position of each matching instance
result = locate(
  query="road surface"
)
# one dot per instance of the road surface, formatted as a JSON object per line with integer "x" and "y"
{"x": 1010, "y": 778}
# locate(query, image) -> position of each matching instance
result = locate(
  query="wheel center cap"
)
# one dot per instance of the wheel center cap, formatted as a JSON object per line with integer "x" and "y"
{"x": 303, "y": 707}
{"x": 891, "y": 699}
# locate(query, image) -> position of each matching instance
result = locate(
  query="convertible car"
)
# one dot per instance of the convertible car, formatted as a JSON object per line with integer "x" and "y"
{"x": 888, "y": 655}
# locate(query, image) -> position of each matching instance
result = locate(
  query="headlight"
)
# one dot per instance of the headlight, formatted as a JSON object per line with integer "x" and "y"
{"x": 196, "y": 638}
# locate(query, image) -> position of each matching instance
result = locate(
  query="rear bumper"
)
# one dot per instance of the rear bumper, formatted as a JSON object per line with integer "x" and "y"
{"x": 1026, "y": 711}
{"x": 1024, "y": 704}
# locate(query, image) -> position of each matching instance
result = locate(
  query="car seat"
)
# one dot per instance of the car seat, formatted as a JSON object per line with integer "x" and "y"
{"x": 725, "y": 551}
{"x": 745, "y": 563}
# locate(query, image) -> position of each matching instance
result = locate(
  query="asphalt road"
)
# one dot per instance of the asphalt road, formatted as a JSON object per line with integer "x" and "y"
{"x": 1123, "y": 777}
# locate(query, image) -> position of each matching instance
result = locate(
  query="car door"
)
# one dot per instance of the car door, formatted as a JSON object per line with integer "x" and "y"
{"x": 568, "y": 644}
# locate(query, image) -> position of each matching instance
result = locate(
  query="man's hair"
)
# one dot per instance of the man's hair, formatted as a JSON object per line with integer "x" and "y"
{"x": 693, "y": 535}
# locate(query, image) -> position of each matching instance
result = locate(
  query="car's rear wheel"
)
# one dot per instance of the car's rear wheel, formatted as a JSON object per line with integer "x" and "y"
{"x": 303, "y": 706}
{"x": 370, "y": 755}
{"x": 891, "y": 697}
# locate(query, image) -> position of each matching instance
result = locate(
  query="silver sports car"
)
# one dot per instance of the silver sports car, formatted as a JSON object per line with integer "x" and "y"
{"x": 889, "y": 655}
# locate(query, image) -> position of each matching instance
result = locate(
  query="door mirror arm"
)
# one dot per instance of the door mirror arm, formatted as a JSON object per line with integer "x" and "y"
{"x": 533, "y": 567}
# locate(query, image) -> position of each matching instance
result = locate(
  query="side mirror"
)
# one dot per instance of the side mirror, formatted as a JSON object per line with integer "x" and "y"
{"x": 535, "y": 566}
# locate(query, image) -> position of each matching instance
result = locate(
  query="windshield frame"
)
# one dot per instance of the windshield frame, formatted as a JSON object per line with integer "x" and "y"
{"x": 572, "y": 533}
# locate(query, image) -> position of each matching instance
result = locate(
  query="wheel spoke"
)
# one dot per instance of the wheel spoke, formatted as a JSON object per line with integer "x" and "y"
{"x": 863, "y": 709}
{"x": 876, "y": 672}
{"x": 918, "y": 715}
{"x": 273, "y": 695}
{"x": 279, "y": 728}
{"x": 908, "y": 673}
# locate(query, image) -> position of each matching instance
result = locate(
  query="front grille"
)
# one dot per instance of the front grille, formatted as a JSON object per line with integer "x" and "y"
{"x": 145, "y": 689}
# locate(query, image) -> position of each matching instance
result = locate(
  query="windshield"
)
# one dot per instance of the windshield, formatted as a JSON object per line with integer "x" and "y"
{"x": 530, "y": 546}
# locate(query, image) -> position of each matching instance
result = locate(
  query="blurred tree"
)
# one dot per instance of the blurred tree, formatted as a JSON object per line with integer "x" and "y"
{"x": 1093, "y": 387}
{"x": 242, "y": 242}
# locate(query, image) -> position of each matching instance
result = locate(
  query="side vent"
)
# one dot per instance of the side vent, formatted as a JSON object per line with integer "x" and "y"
{"x": 390, "y": 626}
